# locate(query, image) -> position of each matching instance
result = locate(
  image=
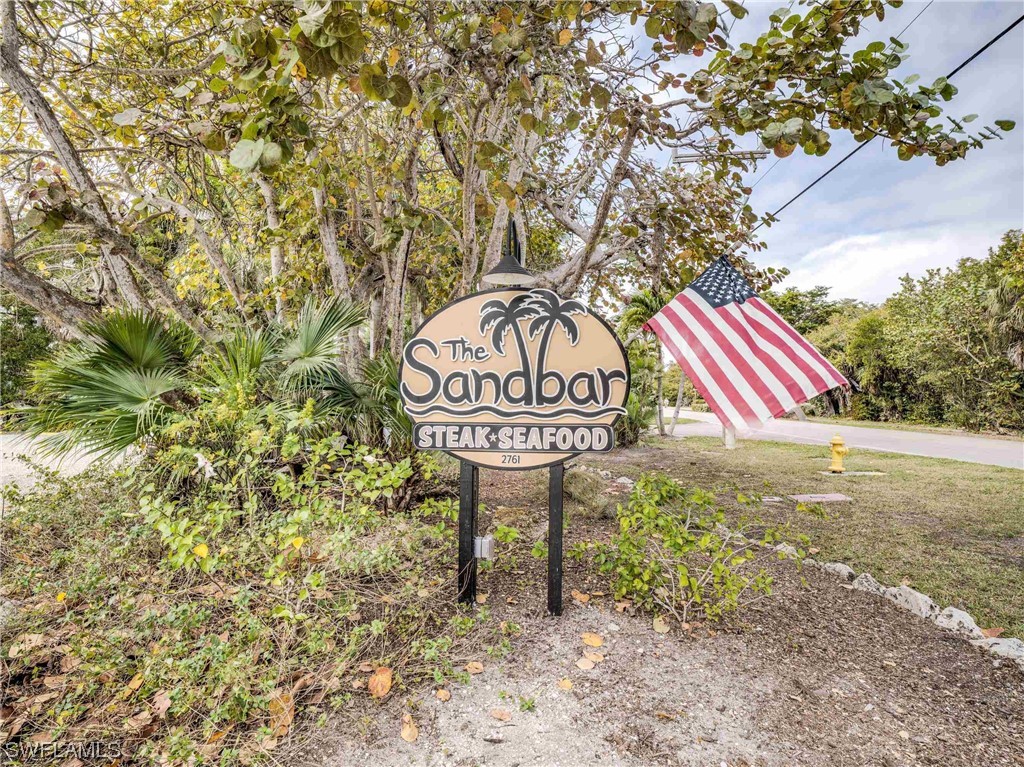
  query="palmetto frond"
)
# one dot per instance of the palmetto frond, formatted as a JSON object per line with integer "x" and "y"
{"x": 139, "y": 340}
{"x": 313, "y": 348}
{"x": 381, "y": 376}
{"x": 98, "y": 400}
{"x": 242, "y": 359}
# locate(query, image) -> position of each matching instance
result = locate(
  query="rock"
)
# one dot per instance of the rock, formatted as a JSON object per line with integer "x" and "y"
{"x": 788, "y": 550}
{"x": 709, "y": 736}
{"x": 625, "y": 482}
{"x": 1012, "y": 649}
{"x": 845, "y": 572}
{"x": 919, "y": 604}
{"x": 7, "y": 611}
{"x": 865, "y": 582}
{"x": 958, "y": 621}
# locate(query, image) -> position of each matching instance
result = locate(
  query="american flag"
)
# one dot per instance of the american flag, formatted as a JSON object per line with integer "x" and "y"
{"x": 747, "y": 362}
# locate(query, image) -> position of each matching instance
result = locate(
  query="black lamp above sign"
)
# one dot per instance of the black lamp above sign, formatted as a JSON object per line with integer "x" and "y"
{"x": 510, "y": 270}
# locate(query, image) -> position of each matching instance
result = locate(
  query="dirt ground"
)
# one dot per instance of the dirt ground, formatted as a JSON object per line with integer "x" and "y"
{"x": 815, "y": 674}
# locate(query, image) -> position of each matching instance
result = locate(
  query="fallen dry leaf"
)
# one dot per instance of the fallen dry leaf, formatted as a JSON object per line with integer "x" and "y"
{"x": 136, "y": 682}
{"x": 475, "y": 667}
{"x": 585, "y": 664}
{"x": 621, "y": 606}
{"x": 481, "y": 599}
{"x": 992, "y": 632}
{"x": 443, "y": 695}
{"x": 666, "y": 715}
{"x": 54, "y": 682}
{"x": 380, "y": 682}
{"x": 69, "y": 663}
{"x": 660, "y": 625}
{"x": 213, "y": 744}
{"x": 366, "y": 668}
{"x": 139, "y": 720}
{"x": 358, "y": 684}
{"x": 593, "y": 657}
{"x": 409, "y": 729}
{"x": 501, "y": 714}
{"x": 511, "y": 601}
{"x": 592, "y": 640}
{"x": 579, "y": 596}
{"x": 304, "y": 681}
{"x": 282, "y": 712}
{"x": 161, "y": 702}
{"x": 565, "y": 684}
{"x": 25, "y": 643}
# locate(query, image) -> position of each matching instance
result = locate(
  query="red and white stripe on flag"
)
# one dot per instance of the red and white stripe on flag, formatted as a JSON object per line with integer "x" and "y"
{"x": 747, "y": 362}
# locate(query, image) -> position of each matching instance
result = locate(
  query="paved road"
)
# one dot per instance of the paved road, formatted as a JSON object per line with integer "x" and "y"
{"x": 13, "y": 470}
{"x": 996, "y": 452}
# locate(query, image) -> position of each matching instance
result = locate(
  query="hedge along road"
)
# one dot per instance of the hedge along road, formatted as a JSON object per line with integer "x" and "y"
{"x": 973, "y": 449}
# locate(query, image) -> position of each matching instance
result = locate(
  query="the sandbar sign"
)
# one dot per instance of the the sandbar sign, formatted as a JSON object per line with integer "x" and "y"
{"x": 514, "y": 379}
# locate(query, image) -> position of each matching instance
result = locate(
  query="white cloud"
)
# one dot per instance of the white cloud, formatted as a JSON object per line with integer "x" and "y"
{"x": 868, "y": 267}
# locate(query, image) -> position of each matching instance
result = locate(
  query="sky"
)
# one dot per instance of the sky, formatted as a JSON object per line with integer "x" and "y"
{"x": 877, "y": 218}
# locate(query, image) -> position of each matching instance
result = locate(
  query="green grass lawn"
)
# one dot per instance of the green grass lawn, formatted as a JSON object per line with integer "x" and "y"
{"x": 952, "y": 530}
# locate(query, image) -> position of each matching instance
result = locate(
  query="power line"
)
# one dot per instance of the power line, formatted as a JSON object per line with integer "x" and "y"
{"x": 902, "y": 31}
{"x": 856, "y": 149}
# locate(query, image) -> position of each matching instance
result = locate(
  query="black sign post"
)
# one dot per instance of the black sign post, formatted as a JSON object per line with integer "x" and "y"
{"x": 469, "y": 502}
{"x": 556, "y": 476}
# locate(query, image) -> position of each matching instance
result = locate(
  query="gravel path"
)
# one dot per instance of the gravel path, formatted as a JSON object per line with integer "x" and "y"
{"x": 816, "y": 674}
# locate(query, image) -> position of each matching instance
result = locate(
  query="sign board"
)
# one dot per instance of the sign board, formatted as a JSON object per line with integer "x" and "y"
{"x": 514, "y": 379}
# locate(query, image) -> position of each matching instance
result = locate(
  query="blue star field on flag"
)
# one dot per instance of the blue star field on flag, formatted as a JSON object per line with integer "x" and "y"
{"x": 722, "y": 284}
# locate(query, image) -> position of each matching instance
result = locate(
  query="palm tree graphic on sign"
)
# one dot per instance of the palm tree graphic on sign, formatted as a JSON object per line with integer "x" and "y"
{"x": 500, "y": 317}
{"x": 552, "y": 312}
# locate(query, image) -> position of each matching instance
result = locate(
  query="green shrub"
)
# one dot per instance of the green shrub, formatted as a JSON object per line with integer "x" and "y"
{"x": 674, "y": 553}
{"x": 25, "y": 340}
{"x": 187, "y": 609}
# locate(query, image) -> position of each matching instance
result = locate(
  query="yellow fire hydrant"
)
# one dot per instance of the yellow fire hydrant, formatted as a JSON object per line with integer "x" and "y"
{"x": 839, "y": 451}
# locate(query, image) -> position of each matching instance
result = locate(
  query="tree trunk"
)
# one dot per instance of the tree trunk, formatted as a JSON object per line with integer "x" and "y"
{"x": 327, "y": 224}
{"x": 604, "y": 207}
{"x": 66, "y": 311}
{"x": 659, "y": 395}
{"x": 400, "y": 267}
{"x": 62, "y": 308}
{"x": 375, "y": 325}
{"x": 470, "y": 180}
{"x": 276, "y": 250}
{"x": 679, "y": 402}
{"x": 118, "y": 251}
